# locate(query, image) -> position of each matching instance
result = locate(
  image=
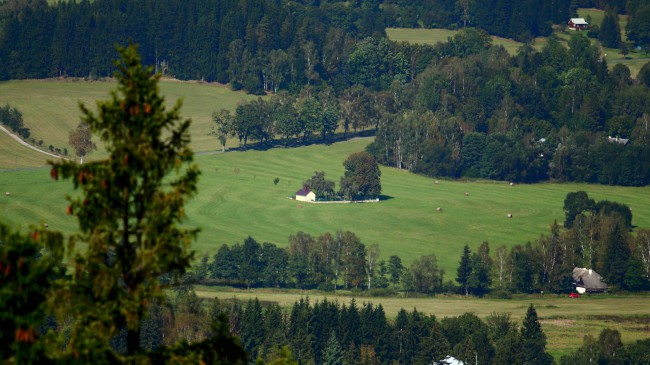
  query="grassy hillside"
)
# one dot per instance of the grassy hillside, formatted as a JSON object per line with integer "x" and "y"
{"x": 13, "y": 155}
{"x": 231, "y": 206}
{"x": 435, "y": 36}
{"x": 50, "y": 108}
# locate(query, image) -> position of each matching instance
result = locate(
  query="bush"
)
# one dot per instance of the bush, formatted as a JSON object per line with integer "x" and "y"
{"x": 382, "y": 292}
{"x": 500, "y": 294}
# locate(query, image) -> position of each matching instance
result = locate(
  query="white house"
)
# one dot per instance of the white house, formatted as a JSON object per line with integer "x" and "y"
{"x": 305, "y": 195}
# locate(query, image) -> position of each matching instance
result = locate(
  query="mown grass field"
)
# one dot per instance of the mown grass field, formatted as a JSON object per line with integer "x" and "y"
{"x": 50, "y": 109}
{"x": 230, "y": 206}
{"x": 13, "y": 155}
{"x": 435, "y": 36}
{"x": 565, "y": 321}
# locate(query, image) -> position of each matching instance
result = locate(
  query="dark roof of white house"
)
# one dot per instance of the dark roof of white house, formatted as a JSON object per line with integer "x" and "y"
{"x": 303, "y": 192}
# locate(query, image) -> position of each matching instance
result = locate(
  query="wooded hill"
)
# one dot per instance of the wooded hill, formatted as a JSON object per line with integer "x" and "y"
{"x": 281, "y": 42}
{"x": 464, "y": 108}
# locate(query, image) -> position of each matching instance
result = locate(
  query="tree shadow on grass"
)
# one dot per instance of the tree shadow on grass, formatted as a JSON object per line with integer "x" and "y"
{"x": 385, "y": 197}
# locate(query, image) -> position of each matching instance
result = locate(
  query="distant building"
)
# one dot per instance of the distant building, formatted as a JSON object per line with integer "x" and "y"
{"x": 622, "y": 141}
{"x": 305, "y": 195}
{"x": 449, "y": 360}
{"x": 587, "y": 280}
{"x": 578, "y": 24}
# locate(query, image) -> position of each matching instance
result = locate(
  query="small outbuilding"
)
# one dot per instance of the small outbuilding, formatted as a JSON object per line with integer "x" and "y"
{"x": 305, "y": 195}
{"x": 618, "y": 140}
{"x": 578, "y": 24}
{"x": 448, "y": 360}
{"x": 588, "y": 281}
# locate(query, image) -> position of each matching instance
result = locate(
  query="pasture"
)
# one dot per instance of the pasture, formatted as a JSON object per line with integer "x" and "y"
{"x": 565, "y": 321}
{"x": 435, "y": 36}
{"x": 51, "y": 110}
{"x": 237, "y": 197}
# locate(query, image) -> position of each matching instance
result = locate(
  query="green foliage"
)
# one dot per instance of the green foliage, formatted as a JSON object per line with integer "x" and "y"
{"x": 361, "y": 178}
{"x": 638, "y": 29}
{"x": 424, "y": 275}
{"x": 80, "y": 140}
{"x": 534, "y": 340}
{"x": 574, "y": 204}
{"x": 322, "y": 187}
{"x": 128, "y": 210}
{"x": 13, "y": 118}
{"x": 610, "y": 33}
{"x": 29, "y": 265}
{"x": 464, "y": 270}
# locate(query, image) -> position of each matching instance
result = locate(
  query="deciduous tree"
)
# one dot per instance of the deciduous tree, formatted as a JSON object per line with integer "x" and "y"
{"x": 80, "y": 140}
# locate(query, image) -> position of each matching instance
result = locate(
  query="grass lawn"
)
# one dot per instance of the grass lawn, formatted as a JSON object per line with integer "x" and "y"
{"x": 13, "y": 155}
{"x": 230, "y": 206}
{"x": 50, "y": 109}
{"x": 565, "y": 321}
{"x": 435, "y": 36}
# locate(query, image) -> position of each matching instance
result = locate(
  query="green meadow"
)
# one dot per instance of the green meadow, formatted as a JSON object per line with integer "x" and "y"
{"x": 435, "y": 36}
{"x": 237, "y": 197}
{"x": 50, "y": 109}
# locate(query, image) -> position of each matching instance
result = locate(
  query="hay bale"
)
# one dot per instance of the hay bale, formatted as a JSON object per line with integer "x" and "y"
{"x": 509, "y": 215}
{"x": 438, "y": 209}
{"x": 436, "y": 182}
{"x": 466, "y": 194}
{"x": 45, "y": 225}
{"x": 512, "y": 184}
{"x": 7, "y": 193}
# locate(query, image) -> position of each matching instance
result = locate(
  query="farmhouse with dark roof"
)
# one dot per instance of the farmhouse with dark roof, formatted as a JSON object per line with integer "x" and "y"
{"x": 305, "y": 195}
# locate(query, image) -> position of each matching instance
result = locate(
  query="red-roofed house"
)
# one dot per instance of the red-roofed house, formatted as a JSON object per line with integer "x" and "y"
{"x": 578, "y": 24}
{"x": 305, "y": 195}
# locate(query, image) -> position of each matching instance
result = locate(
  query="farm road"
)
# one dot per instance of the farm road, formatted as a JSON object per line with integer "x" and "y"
{"x": 27, "y": 144}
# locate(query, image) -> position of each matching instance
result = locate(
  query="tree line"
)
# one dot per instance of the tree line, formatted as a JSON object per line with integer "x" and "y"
{"x": 596, "y": 235}
{"x": 13, "y": 119}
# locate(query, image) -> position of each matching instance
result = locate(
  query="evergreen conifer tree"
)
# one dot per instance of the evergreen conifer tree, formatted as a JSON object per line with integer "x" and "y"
{"x": 464, "y": 270}
{"x": 534, "y": 340}
{"x": 333, "y": 354}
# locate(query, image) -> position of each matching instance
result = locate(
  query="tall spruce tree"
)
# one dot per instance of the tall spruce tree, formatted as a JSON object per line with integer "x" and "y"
{"x": 610, "y": 33}
{"x": 464, "y": 270}
{"x": 333, "y": 354}
{"x": 129, "y": 211}
{"x": 534, "y": 340}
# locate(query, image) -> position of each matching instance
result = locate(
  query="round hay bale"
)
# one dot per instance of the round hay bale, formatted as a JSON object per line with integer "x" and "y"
{"x": 7, "y": 193}
{"x": 512, "y": 184}
{"x": 466, "y": 194}
{"x": 509, "y": 215}
{"x": 436, "y": 182}
{"x": 438, "y": 209}
{"x": 45, "y": 225}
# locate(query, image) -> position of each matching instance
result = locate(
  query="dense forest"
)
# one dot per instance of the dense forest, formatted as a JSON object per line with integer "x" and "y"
{"x": 236, "y": 41}
{"x": 464, "y": 108}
